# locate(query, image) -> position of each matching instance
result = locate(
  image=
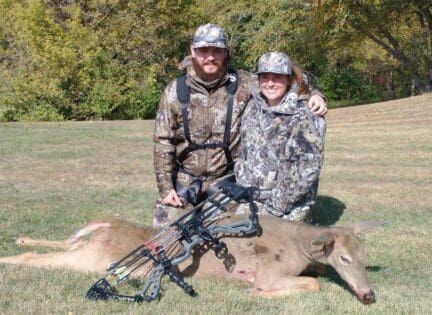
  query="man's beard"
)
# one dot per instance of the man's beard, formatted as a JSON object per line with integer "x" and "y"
{"x": 222, "y": 70}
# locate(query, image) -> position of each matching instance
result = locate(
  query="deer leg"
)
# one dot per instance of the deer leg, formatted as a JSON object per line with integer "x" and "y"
{"x": 270, "y": 282}
{"x": 18, "y": 259}
{"x": 63, "y": 244}
{"x": 82, "y": 259}
{"x": 73, "y": 242}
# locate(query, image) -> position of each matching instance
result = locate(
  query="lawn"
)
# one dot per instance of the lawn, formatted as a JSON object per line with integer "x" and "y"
{"x": 378, "y": 165}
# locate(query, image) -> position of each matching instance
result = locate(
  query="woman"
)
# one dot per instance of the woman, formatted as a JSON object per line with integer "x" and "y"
{"x": 282, "y": 141}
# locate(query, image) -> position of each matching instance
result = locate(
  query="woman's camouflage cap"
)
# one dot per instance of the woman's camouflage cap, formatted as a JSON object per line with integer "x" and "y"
{"x": 274, "y": 62}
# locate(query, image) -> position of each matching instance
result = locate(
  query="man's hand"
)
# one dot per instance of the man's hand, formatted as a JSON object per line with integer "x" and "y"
{"x": 318, "y": 105}
{"x": 172, "y": 199}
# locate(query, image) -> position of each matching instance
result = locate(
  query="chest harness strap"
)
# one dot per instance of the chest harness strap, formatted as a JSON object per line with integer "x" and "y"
{"x": 191, "y": 193}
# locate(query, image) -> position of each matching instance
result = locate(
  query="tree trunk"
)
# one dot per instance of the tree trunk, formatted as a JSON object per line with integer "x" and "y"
{"x": 389, "y": 82}
{"x": 426, "y": 50}
{"x": 397, "y": 53}
{"x": 413, "y": 86}
{"x": 425, "y": 19}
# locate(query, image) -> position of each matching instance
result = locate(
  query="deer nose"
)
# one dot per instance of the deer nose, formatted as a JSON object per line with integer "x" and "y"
{"x": 368, "y": 297}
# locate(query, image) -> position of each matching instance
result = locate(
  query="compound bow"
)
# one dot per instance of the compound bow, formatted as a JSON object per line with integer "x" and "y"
{"x": 157, "y": 257}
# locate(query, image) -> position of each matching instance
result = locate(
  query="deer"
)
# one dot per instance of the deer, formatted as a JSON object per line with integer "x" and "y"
{"x": 274, "y": 263}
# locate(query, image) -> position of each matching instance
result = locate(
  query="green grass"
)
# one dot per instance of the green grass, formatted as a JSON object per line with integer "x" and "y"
{"x": 378, "y": 165}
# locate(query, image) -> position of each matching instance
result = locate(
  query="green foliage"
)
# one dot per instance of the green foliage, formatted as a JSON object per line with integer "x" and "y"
{"x": 87, "y": 60}
{"x": 348, "y": 85}
{"x": 257, "y": 27}
{"x": 109, "y": 59}
{"x": 402, "y": 29}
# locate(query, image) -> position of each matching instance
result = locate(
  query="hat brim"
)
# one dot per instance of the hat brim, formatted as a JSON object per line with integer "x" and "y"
{"x": 273, "y": 71}
{"x": 207, "y": 44}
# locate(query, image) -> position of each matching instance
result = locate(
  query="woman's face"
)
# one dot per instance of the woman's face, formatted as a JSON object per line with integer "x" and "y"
{"x": 273, "y": 86}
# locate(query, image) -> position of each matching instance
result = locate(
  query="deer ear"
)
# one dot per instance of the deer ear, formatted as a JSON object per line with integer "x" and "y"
{"x": 364, "y": 227}
{"x": 324, "y": 239}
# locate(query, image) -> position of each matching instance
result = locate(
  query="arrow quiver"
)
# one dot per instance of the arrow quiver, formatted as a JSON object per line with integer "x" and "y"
{"x": 174, "y": 244}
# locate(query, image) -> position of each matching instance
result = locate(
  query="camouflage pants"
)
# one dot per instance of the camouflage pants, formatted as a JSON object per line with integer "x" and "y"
{"x": 297, "y": 214}
{"x": 163, "y": 215}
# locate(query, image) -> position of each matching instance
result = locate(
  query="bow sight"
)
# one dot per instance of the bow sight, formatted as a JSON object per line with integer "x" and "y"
{"x": 174, "y": 243}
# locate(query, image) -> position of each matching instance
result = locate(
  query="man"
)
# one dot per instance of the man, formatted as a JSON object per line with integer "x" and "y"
{"x": 193, "y": 152}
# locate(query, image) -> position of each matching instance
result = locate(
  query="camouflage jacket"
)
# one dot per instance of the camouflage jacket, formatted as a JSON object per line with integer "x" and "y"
{"x": 207, "y": 114}
{"x": 281, "y": 152}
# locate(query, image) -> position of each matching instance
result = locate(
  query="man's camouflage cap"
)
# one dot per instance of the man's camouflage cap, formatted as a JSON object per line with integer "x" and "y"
{"x": 274, "y": 62}
{"x": 209, "y": 35}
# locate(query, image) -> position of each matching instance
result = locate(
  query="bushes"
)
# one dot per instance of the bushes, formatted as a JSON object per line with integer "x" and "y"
{"x": 348, "y": 86}
{"x": 110, "y": 90}
{"x": 85, "y": 60}
{"x": 94, "y": 91}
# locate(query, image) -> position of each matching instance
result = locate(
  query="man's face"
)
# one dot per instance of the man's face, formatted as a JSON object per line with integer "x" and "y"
{"x": 209, "y": 59}
{"x": 273, "y": 86}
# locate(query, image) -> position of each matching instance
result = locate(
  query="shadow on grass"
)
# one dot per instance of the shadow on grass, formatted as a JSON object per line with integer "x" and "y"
{"x": 374, "y": 268}
{"x": 327, "y": 210}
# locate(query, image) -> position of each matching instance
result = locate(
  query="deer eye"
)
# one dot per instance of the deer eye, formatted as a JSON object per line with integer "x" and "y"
{"x": 345, "y": 260}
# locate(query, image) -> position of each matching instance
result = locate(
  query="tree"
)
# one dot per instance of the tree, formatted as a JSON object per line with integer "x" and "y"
{"x": 402, "y": 28}
{"x": 255, "y": 27}
{"x": 291, "y": 26}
